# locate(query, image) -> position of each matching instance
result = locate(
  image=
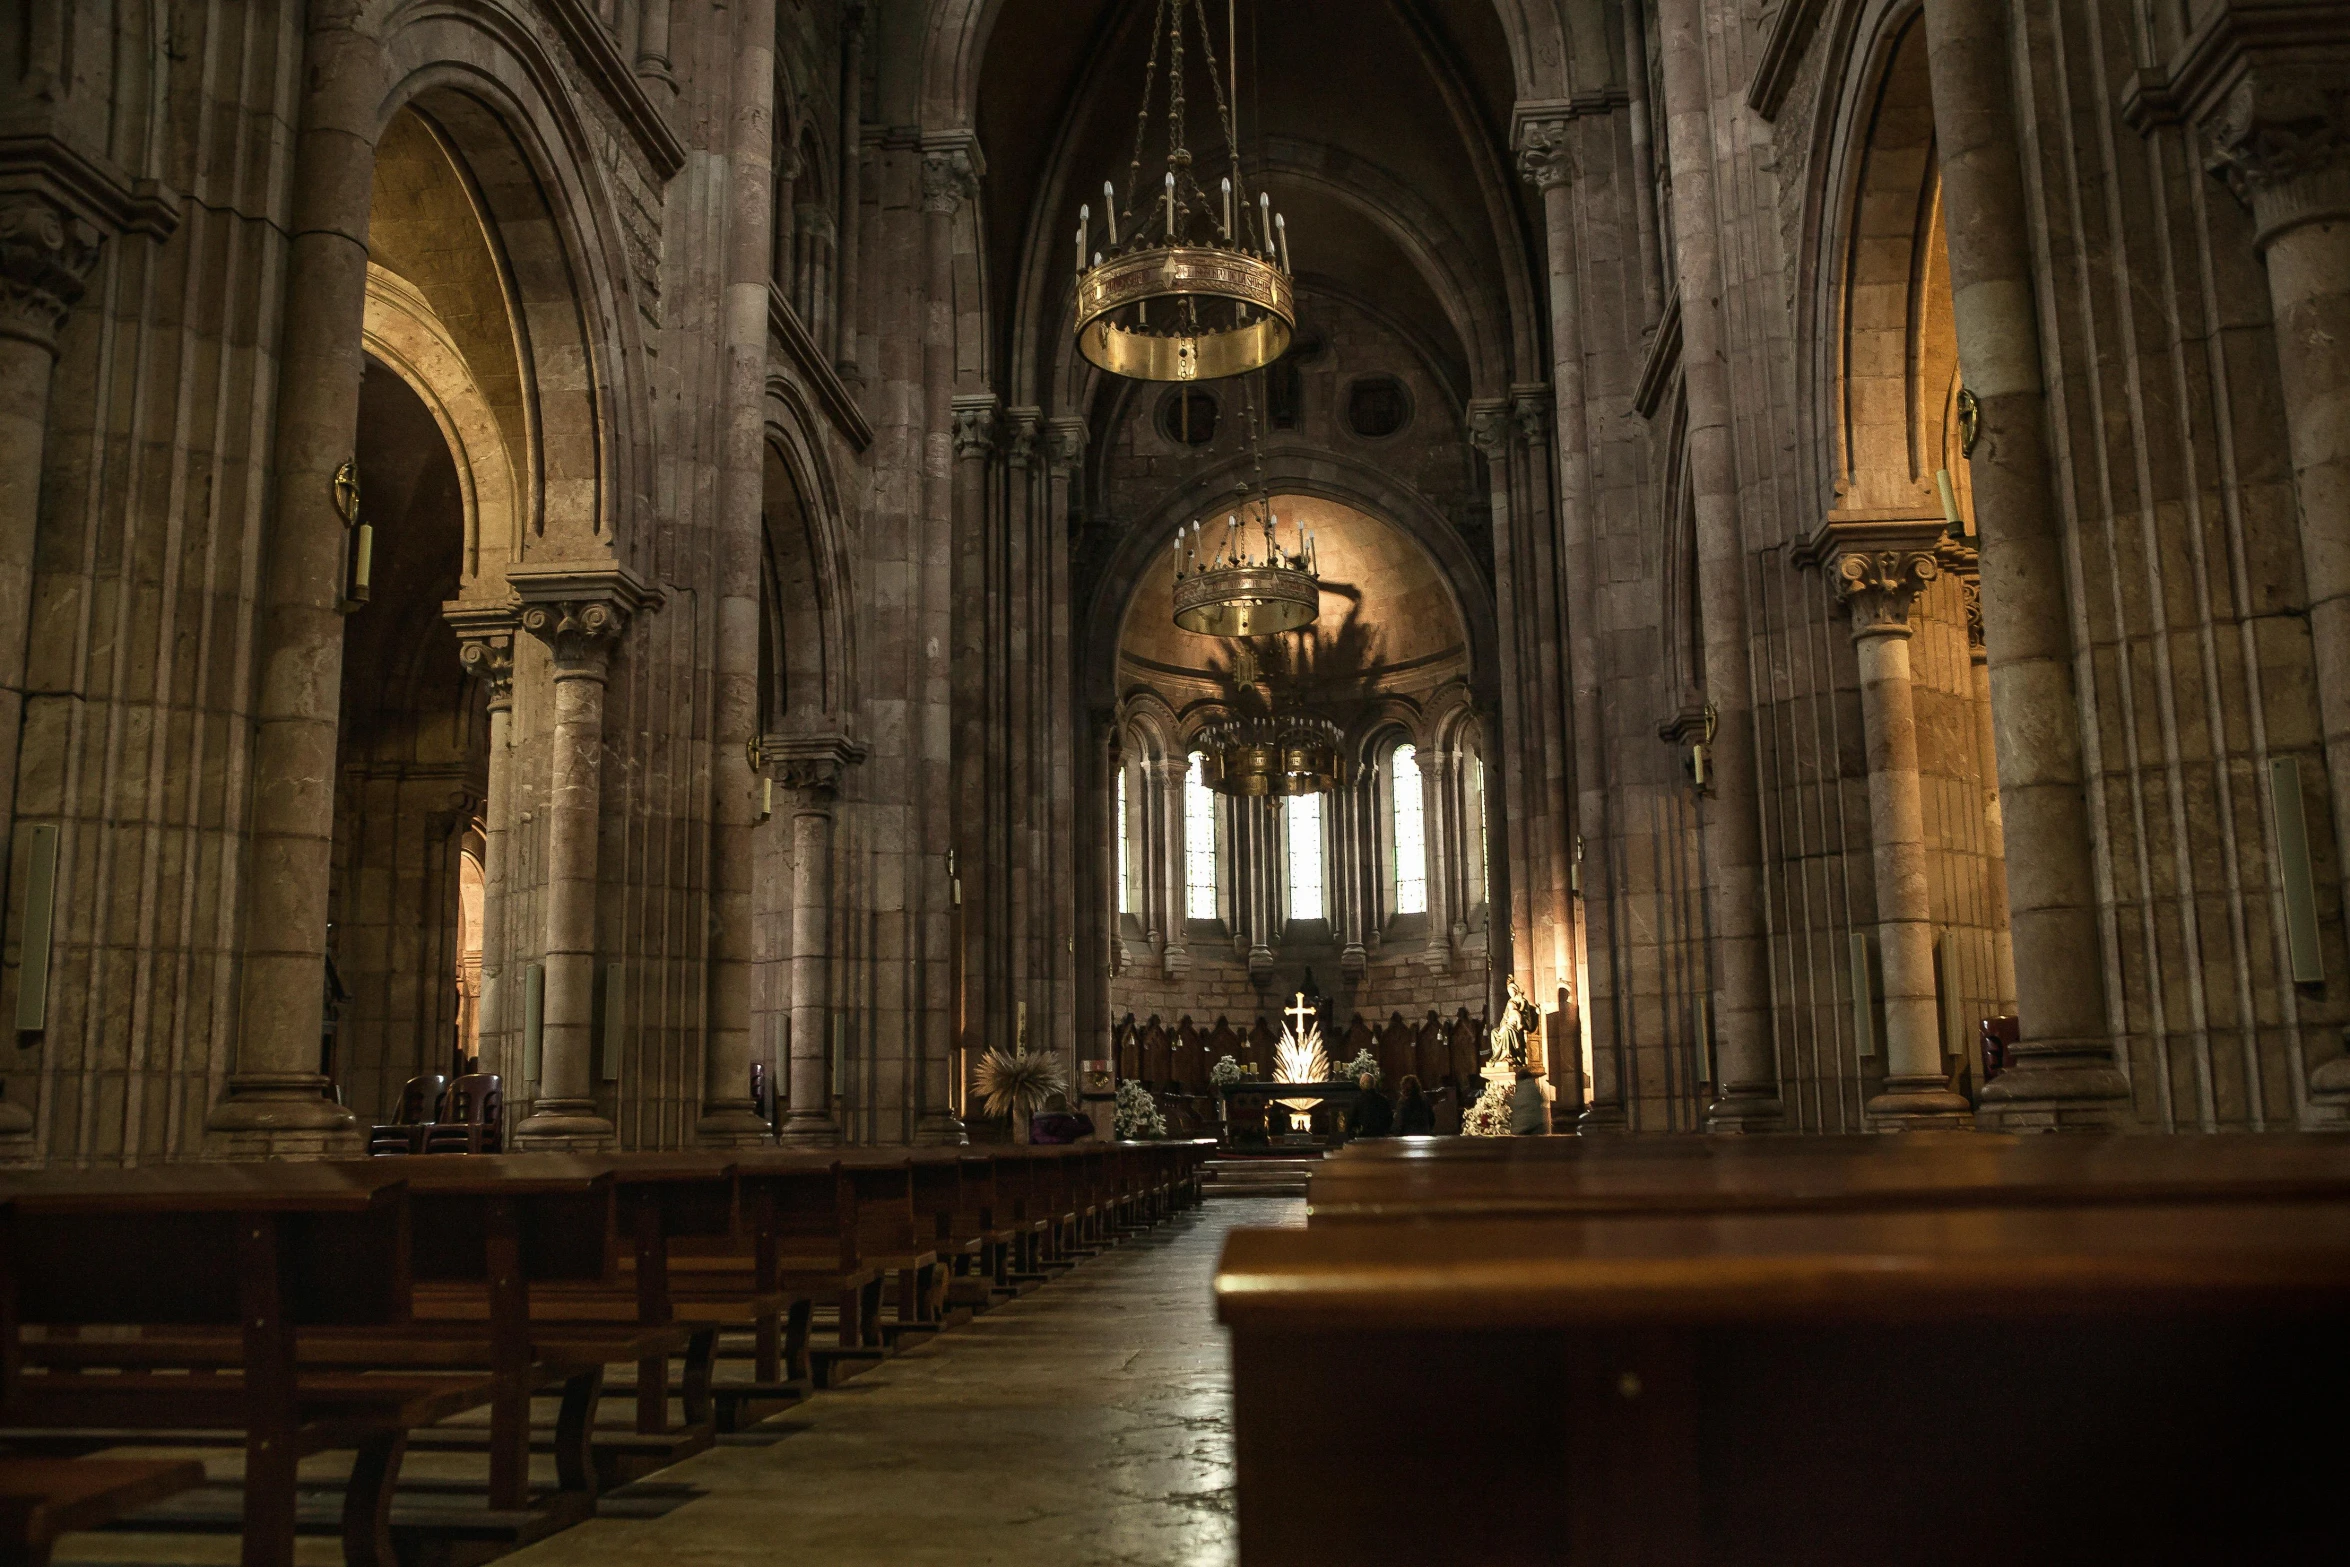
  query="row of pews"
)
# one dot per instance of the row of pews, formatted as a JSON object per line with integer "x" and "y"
{"x": 1932, "y": 1348}
{"x": 477, "y": 1305}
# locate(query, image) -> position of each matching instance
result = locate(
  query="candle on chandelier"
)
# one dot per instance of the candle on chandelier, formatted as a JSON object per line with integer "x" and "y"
{"x": 1228, "y": 209}
{"x": 1170, "y": 206}
{"x": 1281, "y": 227}
{"x": 1110, "y": 211}
{"x": 1265, "y": 211}
{"x": 1084, "y": 222}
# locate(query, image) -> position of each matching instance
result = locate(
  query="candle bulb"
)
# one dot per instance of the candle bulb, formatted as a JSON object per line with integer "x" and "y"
{"x": 1110, "y": 211}
{"x": 1170, "y": 207}
{"x": 1084, "y": 226}
{"x": 1228, "y": 209}
{"x": 1281, "y": 227}
{"x": 1265, "y": 211}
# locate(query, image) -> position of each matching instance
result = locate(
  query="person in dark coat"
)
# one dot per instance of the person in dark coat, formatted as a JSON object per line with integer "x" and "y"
{"x": 1372, "y": 1115}
{"x": 1414, "y": 1115}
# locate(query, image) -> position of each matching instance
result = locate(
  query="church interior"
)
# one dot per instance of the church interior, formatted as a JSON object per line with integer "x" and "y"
{"x": 983, "y": 780}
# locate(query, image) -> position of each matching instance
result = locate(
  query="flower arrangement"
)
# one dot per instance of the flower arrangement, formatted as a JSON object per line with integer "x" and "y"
{"x": 1364, "y": 1064}
{"x": 1017, "y": 1083}
{"x": 1490, "y": 1115}
{"x": 1138, "y": 1113}
{"x": 1226, "y": 1072}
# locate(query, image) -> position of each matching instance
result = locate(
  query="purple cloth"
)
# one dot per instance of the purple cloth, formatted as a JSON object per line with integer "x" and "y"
{"x": 1059, "y": 1126}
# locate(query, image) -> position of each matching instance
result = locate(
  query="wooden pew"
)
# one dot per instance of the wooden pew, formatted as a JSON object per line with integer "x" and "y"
{"x": 263, "y": 1252}
{"x": 42, "y": 1498}
{"x": 803, "y": 1237}
{"x": 892, "y": 1240}
{"x": 2061, "y": 1384}
{"x": 1493, "y": 1178}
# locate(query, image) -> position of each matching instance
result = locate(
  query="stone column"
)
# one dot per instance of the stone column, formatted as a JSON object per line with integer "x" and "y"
{"x": 2062, "y": 1074}
{"x": 950, "y": 177}
{"x": 809, "y": 767}
{"x": 46, "y": 253}
{"x": 1880, "y": 585}
{"x": 1743, "y": 1047}
{"x": 485, "y": 646}
{"x": 2270, "y": 97}
{"x": 1174, "y": 893}
{"x": 1546, "y": 159}
{"x": 852, "y": 158}
{"x": 1994, "y": 830}
{"x": 580, "y": 628}
{"x": 276, "y": 1101}
{"x": 980, "y": 933}
{"x": 1492, "y": 431}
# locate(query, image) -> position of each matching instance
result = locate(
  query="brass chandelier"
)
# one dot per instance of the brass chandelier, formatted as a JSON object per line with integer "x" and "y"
{"x": 1245, "y": 584}
{"x": 1188, "y": 288}
{"x": 1271, "y": 754}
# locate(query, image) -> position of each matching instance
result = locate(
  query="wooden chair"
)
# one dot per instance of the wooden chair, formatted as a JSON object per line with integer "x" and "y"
{"x": 475, "y": 1121}
{"x": 420, "y": 1107}
{"x": 42, "y": 1498}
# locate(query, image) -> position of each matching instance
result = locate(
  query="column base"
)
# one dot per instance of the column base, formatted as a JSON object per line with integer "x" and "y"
{"x": 1602, "y": 1120}
{"x": 808, "y": 1129}
{"x": 940, "y": 1129}
{"x": 2060, "y": 1091}
{"x": 1745, "y": 1112}
{"x": 281, "y": 1115}
{"x": 564, "y": 1126}
{"x": 2328, "y": 1108}
{"x": 1918, "y": 1104}
{"x": 731, "y": 1124}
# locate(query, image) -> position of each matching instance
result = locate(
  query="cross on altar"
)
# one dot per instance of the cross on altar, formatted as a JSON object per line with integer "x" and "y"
{"x": 1298, "y": 1014}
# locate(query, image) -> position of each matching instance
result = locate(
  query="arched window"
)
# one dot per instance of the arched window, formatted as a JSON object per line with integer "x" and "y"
{"x": 1305, "y": 858}
{"x": 1125, "y": 830}
{"x": 1199, "y": 844}
{"x": 1476, "y": 805}
{"x": 1411, "y": 841}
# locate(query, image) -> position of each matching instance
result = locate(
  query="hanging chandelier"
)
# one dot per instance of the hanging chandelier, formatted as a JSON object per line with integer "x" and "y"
{"x": 1245, "y": 584}
{"x": 1271, "y": 754}
{"x": 1189, "y": 287}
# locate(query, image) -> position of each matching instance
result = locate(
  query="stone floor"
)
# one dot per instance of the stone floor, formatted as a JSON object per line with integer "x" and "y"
{"x": 1085, "y": 1425}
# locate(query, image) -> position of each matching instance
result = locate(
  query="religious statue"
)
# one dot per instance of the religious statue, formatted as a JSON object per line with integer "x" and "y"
{"x": 1518, "y": 1019}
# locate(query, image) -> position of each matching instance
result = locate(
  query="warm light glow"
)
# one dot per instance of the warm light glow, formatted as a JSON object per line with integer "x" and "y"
{"x": 1411, "y": 843}
{"x": 1199, "y": 844}
{"x": 1305, "y": 857}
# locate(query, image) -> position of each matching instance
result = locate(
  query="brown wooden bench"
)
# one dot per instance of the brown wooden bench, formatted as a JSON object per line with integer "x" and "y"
{"x": 802, "y": 1237}
{"x": 2113, "y": 1381}
{"x": 42, "y": 1498}
{"x": 1487, "y": 1178}
{"x": 263, "y": 1252}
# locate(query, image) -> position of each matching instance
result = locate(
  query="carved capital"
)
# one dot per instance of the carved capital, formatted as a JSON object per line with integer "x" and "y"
{"x": 1880, "y": 586}
{"x": 485, "y": 646}
{"x": 1490, "y": 427}
{"x": 46, "y": 253}
{"x": 949, "y": 178}
{"x": 810, "y": 765}
{"x": 2269, "y": 86}
{"x": 580, "y": 613}
{"x": 1066, "y": 445}
{"x": 1027, "y": 436}
{"x": 1531, "y": 407}
{"x": 1545, "y": 157}
{"x": 977, "y": 427}
{"x": 1972, "y": 589}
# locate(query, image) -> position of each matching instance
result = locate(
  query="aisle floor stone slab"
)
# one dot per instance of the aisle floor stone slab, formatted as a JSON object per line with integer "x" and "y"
{"x": 1085, "y": 1425}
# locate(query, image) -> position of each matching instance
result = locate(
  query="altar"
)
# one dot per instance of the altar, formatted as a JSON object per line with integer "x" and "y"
{"x": 1251, "y": 1103}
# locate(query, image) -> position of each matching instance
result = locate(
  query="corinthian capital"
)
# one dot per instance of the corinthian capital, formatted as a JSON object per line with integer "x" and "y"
{"x": 485, "y": 646}
{"x": 2269, "y": 85}
{"x": 810, "y": 765}
{"x": 46, "y": 253}
{"x": 1066, "y": 445}
{"x": 1880, "y": 586}
{"x": 1545, "y": 156}
{"x": 949, "y": 178}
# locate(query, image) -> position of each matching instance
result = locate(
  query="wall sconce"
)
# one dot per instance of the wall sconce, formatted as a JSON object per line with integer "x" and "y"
{"x": 358, "y": 537}
{"x": 1699, "y": 763}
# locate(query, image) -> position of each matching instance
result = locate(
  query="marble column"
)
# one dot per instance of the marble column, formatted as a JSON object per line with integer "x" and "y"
{"x": 580, "y": 630}
{"x": 46, "y": 253}
{"x": 485, "y": 646}
{"x": 276, "y": 1100}
{"x": 809, "y": 767}
{"x": 1880, "y": 585}
{"x": 1545, "y": 158}
{"x": 2062, "y": 1073}
{"x": 950, "y": 177}
{"x": 729, "y": 1117}
{"x": 1744, "y": 1052}
{"x": 2276, "y": 118}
